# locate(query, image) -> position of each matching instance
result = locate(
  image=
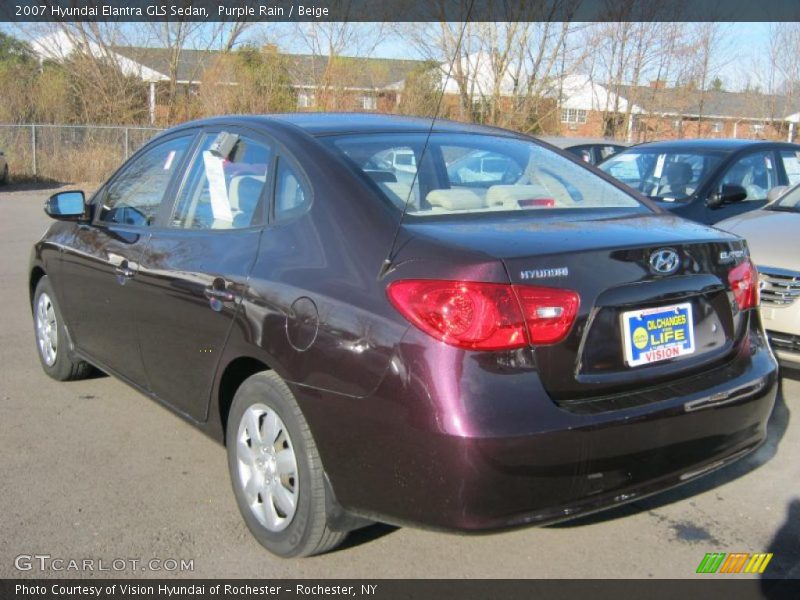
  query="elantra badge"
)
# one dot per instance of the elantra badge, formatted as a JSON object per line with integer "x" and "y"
{"x": 664, "y": 261}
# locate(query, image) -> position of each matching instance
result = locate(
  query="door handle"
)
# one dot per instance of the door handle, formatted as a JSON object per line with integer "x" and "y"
{"x": 125, "y": 272}
{"x": 218, "y": 294}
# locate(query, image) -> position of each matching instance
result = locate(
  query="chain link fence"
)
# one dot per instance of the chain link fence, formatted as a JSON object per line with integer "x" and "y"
{"x": 69, "y": 153}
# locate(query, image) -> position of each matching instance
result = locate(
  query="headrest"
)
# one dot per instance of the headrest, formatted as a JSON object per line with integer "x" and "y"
{"x": 678, "y": 173}
{"x": 455, "y": 199}
{"x": 510, "y": 195}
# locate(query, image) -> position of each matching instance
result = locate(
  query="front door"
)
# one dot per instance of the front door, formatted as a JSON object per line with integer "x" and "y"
{"x": 102, "y": 263}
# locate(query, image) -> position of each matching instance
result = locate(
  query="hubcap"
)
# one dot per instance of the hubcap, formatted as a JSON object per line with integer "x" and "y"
{"x": 267, "y": 467}
{"x": 46, "y": 329}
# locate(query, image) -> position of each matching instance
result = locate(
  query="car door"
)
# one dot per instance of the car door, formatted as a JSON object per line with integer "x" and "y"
{"x": 99, "y": 267}
{"x": 756, "y": 172}
{"x": 194, "y": 271}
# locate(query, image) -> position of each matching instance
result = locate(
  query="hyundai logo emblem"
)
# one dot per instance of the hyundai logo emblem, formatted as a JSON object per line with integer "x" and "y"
{"x": 664, "y": 261}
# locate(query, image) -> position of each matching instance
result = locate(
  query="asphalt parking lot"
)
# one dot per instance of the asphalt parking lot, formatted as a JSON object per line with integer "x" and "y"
{"x": 93, "y": 469}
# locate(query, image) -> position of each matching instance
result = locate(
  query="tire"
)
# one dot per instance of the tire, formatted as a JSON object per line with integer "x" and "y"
{"x": 4, "y": 179}
{"x": 51, "y": 337}
{"x": 265, "y": 478}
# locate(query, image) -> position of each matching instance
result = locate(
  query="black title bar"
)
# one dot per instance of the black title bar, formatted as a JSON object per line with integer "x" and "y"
{"x": 399, "y": 10}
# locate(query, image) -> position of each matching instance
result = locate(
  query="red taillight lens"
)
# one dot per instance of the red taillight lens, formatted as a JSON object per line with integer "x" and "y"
{"x": 549, "y": 312}
{"x": 744, "y": 284}
{"x": 485, "y": 316}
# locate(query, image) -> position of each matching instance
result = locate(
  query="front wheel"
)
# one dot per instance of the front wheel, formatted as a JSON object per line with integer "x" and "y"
{"x": 51, "y": 337}
{"x": 276, "y": 471}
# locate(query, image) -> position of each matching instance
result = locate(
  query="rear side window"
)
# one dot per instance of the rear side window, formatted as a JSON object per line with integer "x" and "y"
{"x": 134, "y": 197}
{"x": 791, "y": 164}
{"x": 225, "y": 193}
{"x": 292, "y": 197}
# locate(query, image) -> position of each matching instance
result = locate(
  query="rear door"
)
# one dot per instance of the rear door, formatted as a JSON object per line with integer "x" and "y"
{"x": 101, "y": 264}
{"x": 195, "y": 269}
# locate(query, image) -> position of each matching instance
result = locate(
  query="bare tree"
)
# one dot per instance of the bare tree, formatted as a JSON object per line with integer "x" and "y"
{"x": 330, "y": 45}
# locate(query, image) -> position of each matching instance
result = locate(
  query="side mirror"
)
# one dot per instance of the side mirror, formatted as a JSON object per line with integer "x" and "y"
{"x": 727, "y": 195}
{"x": 66, "y": 206}
{"x": 776, "y": 192}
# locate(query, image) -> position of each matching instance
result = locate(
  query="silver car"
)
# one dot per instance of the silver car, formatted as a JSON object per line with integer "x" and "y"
{"x": 772, "y": 234}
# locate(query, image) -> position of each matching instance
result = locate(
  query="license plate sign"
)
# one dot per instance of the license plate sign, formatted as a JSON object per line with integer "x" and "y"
{"x": 655, "y": 334}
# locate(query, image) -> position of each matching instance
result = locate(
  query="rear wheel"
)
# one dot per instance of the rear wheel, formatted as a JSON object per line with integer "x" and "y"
{"x": 51, "y": 337}
{"x": 276, "y": 471}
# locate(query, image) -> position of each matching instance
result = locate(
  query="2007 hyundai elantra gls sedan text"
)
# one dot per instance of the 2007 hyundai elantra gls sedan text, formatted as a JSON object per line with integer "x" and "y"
{"x": 415, "y": 345}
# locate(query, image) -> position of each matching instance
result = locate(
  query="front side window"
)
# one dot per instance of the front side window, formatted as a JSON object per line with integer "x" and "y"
{"x": 667, "y": 174}
{"x": 134, "y": 197}
{"x": 224, "y": 192}
{"x": 754, "y": 172}
{"x": 457, "y": 173}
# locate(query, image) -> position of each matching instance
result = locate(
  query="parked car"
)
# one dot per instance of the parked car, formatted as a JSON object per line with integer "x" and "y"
{"x": 482, "y": 168}
{"x": 3, "y": 168}
{"x": 590, "y": 150}
{"x": 707, "y": 180}
{"x": 772, "y": 234}
{"x": 458, "y": 357}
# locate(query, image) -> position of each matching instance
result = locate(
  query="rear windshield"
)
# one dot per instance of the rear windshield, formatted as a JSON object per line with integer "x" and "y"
{"x": 473, "y": 173}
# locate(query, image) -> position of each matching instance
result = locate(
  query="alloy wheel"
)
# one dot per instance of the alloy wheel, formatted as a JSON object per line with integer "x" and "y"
{"x": 46, "y": 329}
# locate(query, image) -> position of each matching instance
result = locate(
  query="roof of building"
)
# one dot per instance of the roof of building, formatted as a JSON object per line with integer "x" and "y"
{"x": 306, "y": 70}
{"x": 748, "y": 105}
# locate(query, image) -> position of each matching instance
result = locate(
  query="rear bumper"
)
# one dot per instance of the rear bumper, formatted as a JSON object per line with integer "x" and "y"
{"x": 454, "y": 440}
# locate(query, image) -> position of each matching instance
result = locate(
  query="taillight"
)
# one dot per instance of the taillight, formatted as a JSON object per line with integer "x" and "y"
{"x": 743, "y": 279}
{"x": 549, "y": 312}
{"x": 485, "y": 316}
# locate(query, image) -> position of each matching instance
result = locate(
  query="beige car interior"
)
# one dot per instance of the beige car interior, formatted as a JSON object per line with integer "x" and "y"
{"x": 244, "y": 192}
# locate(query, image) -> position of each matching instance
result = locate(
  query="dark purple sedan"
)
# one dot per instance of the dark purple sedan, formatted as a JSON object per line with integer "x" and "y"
{"x": 451, "y": 326}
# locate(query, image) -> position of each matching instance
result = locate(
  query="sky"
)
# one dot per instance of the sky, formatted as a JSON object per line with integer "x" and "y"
{"x": 744, "y": 42}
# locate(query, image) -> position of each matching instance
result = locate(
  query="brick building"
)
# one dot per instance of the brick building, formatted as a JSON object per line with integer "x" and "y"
{"x": 643, "y": 113}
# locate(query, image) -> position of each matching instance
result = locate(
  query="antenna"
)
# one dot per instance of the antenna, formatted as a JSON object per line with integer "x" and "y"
{"x": 387, "y": 262}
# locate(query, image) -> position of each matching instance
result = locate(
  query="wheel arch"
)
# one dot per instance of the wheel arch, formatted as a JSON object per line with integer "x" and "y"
{"x": 37, "y": 273}
{"x": 233, "y": 375}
